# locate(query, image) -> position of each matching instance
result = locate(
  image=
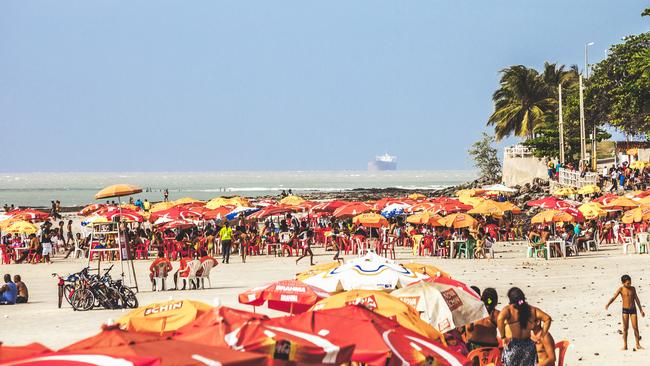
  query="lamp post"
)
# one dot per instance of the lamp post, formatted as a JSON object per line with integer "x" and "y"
{"x": 594, "y": 159}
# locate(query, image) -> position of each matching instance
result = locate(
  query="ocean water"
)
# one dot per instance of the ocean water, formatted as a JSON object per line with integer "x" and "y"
{"x": 38, "y": 189}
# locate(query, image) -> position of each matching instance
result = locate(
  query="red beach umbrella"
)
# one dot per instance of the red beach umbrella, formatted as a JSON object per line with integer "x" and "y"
{"x": 271, "y": 211}
{"x": 289, "y": 296}
{"x": 329, "y": 206}
{"x": 446, "y": 208}
{"x": 287, "y": 344}
{"x": 124, "y": 214}
{"x": 29, "y": 214}
{"x": 91, "y": 209}
{"x": 440, "y": 280}
{"x": 86, "y": 358}
{"x": 577, "y": 214}
{"x": 175, "y": 213}
{"x": 378, "y": 340}
{"x": 550, "y": 203}
{"x": 15, "y": 352}
{"x": 352, "y": 209}
{"x": 211, "y": 327}
{"x": 111, "y": 336}
{"x": 218, "y": 213}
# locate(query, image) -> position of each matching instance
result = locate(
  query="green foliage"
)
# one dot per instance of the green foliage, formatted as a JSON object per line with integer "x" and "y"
{"x": 521, "y": 102}
{"x": 485, "y": 158}
{"x": 618, "y": 92}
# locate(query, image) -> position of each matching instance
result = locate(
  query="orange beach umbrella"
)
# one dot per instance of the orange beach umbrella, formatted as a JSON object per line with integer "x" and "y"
{"x": 163, "y": 317}
{"x": 370, "y": 220}
{"x": 117, "y": 190}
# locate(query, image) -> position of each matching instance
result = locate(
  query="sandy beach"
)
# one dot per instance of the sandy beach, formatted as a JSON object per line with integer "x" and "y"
{"x": 573, "y": 291}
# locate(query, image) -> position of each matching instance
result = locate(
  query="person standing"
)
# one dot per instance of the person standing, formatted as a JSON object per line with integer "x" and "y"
{"x": 70, "y": 236}
{"x": 225, "y": 235}
{"x": 165, "y": 195}
{"x": 516, "y": 323}
{"x": 631, "y": 303}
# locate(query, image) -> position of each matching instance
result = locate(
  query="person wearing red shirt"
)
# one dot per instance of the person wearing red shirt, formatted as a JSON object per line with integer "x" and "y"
{"x": 183, "y": 271}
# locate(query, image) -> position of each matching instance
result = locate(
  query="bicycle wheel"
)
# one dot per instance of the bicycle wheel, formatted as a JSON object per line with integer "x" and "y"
{"x": 60, "y": 296}
{"x": 115, "y": 299}
{"x": 82, "y": 300}
{"x": 130, "y": 300}
{"x": 68, "y": 291}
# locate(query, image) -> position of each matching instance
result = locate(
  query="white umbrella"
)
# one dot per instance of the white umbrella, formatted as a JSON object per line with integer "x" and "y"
{"x": 444, "y": 306}
{"x": 499, "y": 188}
{"x": 370, "y": 272}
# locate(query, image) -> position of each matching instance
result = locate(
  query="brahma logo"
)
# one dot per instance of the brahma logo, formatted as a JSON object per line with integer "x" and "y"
{"x": 452, "y": 299}
{"x": 163, "y": 308}
{"x": 410, "y": 300}
{"x": 290, "y": 288}
{"x": 289, "y": 298}
{"x": 369, "y": 301}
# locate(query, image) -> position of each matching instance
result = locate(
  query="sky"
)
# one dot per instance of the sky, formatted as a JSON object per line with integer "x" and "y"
{"x": 272, "y": 85}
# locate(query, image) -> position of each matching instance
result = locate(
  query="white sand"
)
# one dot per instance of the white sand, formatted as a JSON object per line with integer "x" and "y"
{"x": 574, "y": 291}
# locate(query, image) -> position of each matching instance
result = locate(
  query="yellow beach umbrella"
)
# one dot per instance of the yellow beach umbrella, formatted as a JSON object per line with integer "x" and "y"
{"x": 592, "y": 210}
{"x": 636, "y": 215}
{"x": 416, "y": 196}
{"x": 232, "y": 201}
{"x": 551, "y": 216}
{"x": 566, "y": 191}
{"x": 458, "y": 220}
{"x": 316, "y": 270}
{"x": 22, "y": 227}
{"x": 639, "y": 164}
{"x": 469, "y": 192}
{"x": 424, "y": 218}
{"x": 488, "y": 208}
{"x": 426, "y": 269}
{"x": 370, "y": 219}
{"x": 621, "y": 202}
{"x": 117, "y": 190}
{"x": 381, "y": 303}
{"x": 185, "y": 200}
{"x": 292, "y": 200}
{"x": 160, "y": 206}
{"x": 509, "y": 206}
{"x": 7, "y": 222}
{"x": 589, "y": 189}
{"x": 163, "y": 317}
{"x": 472, "y": 201}
{"x": 129, "y": 206}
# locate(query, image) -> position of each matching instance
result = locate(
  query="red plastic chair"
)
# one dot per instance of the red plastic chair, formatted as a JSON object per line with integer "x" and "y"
{"x": 486, "y": 356}
{"x": 561, "y": 348}
{"x": 426, "y": 244}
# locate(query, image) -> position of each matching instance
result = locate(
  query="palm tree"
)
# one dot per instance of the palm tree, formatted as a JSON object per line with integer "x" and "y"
{"x": 521, "y": 103}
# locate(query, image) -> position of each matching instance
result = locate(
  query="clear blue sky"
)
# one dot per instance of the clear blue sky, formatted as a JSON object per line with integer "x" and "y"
{"x": 272, "y": 85}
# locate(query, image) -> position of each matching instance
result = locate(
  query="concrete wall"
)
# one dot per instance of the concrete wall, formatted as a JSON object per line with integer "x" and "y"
{"x": 521, "y": 170}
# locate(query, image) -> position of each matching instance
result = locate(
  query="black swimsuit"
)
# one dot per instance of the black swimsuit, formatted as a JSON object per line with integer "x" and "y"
{"x": 629, "y": 311}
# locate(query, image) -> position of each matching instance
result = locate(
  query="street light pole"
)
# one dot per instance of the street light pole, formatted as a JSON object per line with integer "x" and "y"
{"x": 594, "y": 159}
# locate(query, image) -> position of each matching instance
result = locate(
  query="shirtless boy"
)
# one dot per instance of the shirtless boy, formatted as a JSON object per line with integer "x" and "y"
{"x": 631, "y": 303}
{"x": 544, "y": 345}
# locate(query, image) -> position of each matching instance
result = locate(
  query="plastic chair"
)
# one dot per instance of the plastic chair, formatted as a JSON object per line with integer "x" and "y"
{"x": 486, "y": 356}
{"x": 561, "y": 348}
{"x": 194, "y": 267}
{"x": 160, "y": 276}
{"x": 442, "y": 251}
{"x": 572, "y": 245}
{"x": 206, "y": 267}
{"x": 426, "y": 244}
{"x": 627, "y": 241}
{"x": 78, "y": 252}
{"x": 489, "y": 246}
{"x": 642, "y": 243}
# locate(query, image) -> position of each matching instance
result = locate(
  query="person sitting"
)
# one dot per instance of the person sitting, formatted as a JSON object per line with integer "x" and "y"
{"x": 184, "y": 270}
{"x": 483, "y": 333}
{"x": 160, "y": 267}
{"x": 8, "y": 291}
{"x": 544, "y": 345}
{"x": 23, "y": 295}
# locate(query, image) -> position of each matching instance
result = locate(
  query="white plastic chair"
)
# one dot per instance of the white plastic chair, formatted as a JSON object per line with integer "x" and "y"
{"x": 78, "y": 252}
{"x": 489, "y": 246}
{"x": 628, "y": 241}
{"x": 160, "y": 277}
{"x": 194, "y": 266}
{"x": 206, "y": 267}
{"x": 642, "y": 243}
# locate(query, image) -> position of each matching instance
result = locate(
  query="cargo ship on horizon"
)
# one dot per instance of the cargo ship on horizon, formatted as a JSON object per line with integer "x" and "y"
{"x": 383, "y": 162}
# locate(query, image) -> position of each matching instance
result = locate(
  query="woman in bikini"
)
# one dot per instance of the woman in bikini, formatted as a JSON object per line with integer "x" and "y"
{"x": 483, "y": 333}
{"x": 516, "y": 322}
